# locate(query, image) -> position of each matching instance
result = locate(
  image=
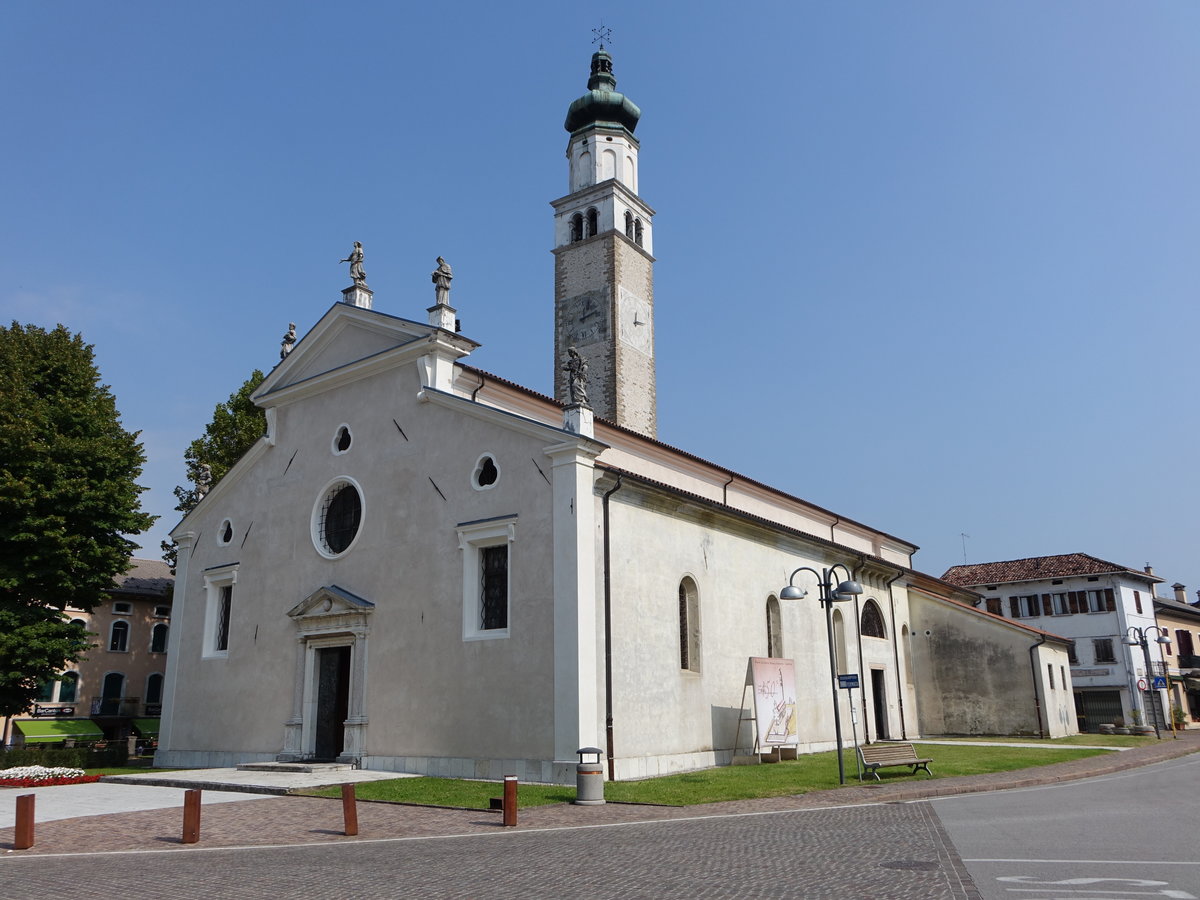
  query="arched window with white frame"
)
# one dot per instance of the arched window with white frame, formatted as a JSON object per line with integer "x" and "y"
{"x": 689, "y": 626}
{"x": 774, "y": 629}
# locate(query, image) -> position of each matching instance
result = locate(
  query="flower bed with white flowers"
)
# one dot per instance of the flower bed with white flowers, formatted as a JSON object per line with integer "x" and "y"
{"x": 42, "y": 776}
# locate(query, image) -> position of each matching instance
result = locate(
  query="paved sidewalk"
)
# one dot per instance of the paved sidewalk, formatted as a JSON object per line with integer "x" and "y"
{"x": 276, "y": 821}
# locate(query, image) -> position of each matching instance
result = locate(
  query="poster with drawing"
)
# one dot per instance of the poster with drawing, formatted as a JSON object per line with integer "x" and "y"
{"x": 774, "y": 683}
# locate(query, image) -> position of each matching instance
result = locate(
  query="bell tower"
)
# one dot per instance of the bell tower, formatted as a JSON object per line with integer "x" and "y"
{"x": 603, "y": 262}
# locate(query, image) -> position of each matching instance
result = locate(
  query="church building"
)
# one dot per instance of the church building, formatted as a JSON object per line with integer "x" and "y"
{"x": 423, "y": 567}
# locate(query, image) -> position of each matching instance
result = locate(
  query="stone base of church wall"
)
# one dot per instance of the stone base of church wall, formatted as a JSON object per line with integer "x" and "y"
{"x": 542, "y": 771}
{"x": 207, "y": 759}
{"x": 632, "y": 768}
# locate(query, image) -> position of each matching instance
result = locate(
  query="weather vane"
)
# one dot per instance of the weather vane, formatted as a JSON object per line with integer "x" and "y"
{"x": 602, "y": 34}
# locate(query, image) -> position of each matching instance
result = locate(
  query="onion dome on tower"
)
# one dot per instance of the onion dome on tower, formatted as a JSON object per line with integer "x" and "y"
{"x": 602, "y": 105}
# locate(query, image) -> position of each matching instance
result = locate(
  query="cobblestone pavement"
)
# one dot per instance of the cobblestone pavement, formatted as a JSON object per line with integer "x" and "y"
{"x": 865, "y": 841}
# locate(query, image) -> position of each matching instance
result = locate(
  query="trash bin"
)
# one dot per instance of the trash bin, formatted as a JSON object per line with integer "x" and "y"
{"x": 589, "y": 777}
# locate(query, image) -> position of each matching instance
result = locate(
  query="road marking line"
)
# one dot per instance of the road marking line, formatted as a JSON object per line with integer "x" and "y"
{"x": 1093, "y": 862}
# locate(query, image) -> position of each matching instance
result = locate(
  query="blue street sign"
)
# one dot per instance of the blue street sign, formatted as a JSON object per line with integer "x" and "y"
{"x": 1160, "y": 683}
{"x": 847, "y": 681}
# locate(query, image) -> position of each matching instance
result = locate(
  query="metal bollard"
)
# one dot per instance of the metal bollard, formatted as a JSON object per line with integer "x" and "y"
{"x": 510, "y": 800}
{"x": 349, "y": 810}
{"x": 589, "y": 778}
{"x": 191, "y": 817}
{"x": 23, "y": 835}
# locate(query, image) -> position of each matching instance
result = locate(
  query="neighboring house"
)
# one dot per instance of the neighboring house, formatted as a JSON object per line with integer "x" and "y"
{"x": 1181, "y": 621}
{"x": 1094, "y": 603}
{"x": 119, "y": 684}
{"x": 425, "y": 568}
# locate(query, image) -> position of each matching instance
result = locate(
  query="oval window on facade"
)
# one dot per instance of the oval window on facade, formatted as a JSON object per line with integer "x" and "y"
{"x": 337, "y": 517}
{"x": 342, "y": 440}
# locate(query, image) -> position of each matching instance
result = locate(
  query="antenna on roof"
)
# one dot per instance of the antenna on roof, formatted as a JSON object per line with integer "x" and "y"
{"x": 602, "y": 34}
{"x": 964, "y": 537}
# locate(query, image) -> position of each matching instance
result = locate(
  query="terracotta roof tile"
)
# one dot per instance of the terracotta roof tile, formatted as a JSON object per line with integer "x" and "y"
{"x": 1035, "y": 568}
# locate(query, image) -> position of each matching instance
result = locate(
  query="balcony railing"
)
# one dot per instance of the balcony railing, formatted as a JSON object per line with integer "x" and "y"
{"x": 116, "y": 706}
{"x": 1189, "y": 662}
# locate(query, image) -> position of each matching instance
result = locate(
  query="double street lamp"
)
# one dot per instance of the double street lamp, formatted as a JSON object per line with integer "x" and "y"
{"x": 1135, "y": 636}
{"x": 846, "y": 590}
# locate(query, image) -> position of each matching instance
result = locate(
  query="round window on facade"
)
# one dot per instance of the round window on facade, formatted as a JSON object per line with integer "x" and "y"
{"x": 337, "y": 517}
{"x": 342, "y": 440}
{"x": 225, "y": 535}
{"x": 486, "y": 473}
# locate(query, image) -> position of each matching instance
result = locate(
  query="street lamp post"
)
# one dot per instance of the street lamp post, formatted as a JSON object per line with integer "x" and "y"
{"x": 846, "y": 590}
{"x": 1135, "y": 636}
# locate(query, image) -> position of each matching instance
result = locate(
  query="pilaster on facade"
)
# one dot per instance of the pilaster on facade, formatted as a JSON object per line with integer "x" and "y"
{"x": 576, "y": 639}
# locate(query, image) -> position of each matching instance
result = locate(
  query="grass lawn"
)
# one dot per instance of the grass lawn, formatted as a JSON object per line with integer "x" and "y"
{"x": 1091, "y": 740}
{"x": 809, "y": 773}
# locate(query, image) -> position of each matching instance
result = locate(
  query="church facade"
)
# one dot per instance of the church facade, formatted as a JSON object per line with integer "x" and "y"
{"x": 422, "y": 567}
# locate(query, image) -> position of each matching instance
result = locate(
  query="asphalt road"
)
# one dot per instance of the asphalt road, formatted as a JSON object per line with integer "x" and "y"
{"x": 1127, "y": 835}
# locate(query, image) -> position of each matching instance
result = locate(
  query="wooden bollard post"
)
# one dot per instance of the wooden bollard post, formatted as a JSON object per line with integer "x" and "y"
{"x": 349, "y": 810}
{"x": 23, "y": 836}
{"x": 191, "y": 817}
{"x": 510, "y": 800}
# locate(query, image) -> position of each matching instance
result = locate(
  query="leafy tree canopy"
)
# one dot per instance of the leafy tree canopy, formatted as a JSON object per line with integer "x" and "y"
{"x": 235, "y": 427}
{"x": 68, "y": 470}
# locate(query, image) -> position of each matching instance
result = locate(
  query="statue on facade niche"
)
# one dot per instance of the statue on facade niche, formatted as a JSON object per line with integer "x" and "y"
{"x": 289, "y": 341}
{"x": 576, "y": 368}
{"x": 442, "y": 276}
{"x": 203, "y": 480}
{"x": 356, "y": 268}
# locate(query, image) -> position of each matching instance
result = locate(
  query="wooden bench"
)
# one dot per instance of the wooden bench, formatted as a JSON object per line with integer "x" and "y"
{"x": 877, "y": 756}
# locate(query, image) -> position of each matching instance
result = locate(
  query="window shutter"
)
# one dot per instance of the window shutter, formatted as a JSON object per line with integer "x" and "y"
{"x": 1073, "y": 601}
{"x": 1047, "y": 605}
{"x": 1014, "y": 606}
{"x": 1109, "y": 602}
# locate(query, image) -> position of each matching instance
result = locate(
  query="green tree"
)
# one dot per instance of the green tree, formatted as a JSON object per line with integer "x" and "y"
{"x": 68, "y": 497}
{"x": 34, "y": 647}
{"x": 235, "y": 427}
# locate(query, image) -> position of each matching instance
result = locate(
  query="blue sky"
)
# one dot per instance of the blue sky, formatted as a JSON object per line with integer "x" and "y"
{"x": 932, "y": 265}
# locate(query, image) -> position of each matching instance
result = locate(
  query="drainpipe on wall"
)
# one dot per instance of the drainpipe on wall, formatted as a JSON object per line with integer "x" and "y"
{"x": 1037, "y": 702}
{"x": 608, "y": 687}
{"x": 896, "y": 653}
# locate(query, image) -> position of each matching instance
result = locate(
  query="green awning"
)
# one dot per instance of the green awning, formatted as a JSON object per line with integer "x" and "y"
{"x": 147, "y": 728}
{"x": 43, "y": 731}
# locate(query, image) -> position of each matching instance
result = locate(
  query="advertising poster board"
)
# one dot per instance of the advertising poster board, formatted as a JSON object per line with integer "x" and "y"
{"x": 774, "y": 683}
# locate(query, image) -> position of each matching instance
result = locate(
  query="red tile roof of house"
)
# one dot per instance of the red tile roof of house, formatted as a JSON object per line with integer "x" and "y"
{"x": 1035, "y": 568}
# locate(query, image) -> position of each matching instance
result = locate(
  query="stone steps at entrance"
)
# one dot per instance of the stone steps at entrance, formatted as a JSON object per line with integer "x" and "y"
{"x": 295, "y": 767}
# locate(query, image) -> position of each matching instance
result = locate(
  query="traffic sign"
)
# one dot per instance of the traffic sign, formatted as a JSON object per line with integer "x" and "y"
{"x": 1160, "y": 683}
{"x": 848, "y": 681}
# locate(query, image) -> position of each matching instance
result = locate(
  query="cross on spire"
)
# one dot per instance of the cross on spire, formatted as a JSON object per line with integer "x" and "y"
{"x": 602, "y": 34}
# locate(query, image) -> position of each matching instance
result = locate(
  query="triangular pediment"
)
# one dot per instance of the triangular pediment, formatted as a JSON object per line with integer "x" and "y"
{"x": 330, "y": 600}
{"x": 344, "y": 336}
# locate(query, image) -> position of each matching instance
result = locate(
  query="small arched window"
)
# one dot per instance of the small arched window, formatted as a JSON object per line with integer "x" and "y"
{"x": 576, "y": 227}
{"x": 118, "y": 638}
{"x": 593, "y": 222}
{"x": 774, "y": 629}
{"x": 871, "y": 624}
{"x": 637, "y": 232}
{"x": 158, "y": 638}
{"x": 839, "y": 642}
{"x": 689, "y": 626}
{"x": 154, "y": 686}
{"x": 629, "y": 224}
{"x": 68, "y": 687}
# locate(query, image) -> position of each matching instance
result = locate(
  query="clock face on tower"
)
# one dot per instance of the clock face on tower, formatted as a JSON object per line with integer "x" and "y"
{"x": 583, "y": 320}
{"x": 636, "y": 325}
